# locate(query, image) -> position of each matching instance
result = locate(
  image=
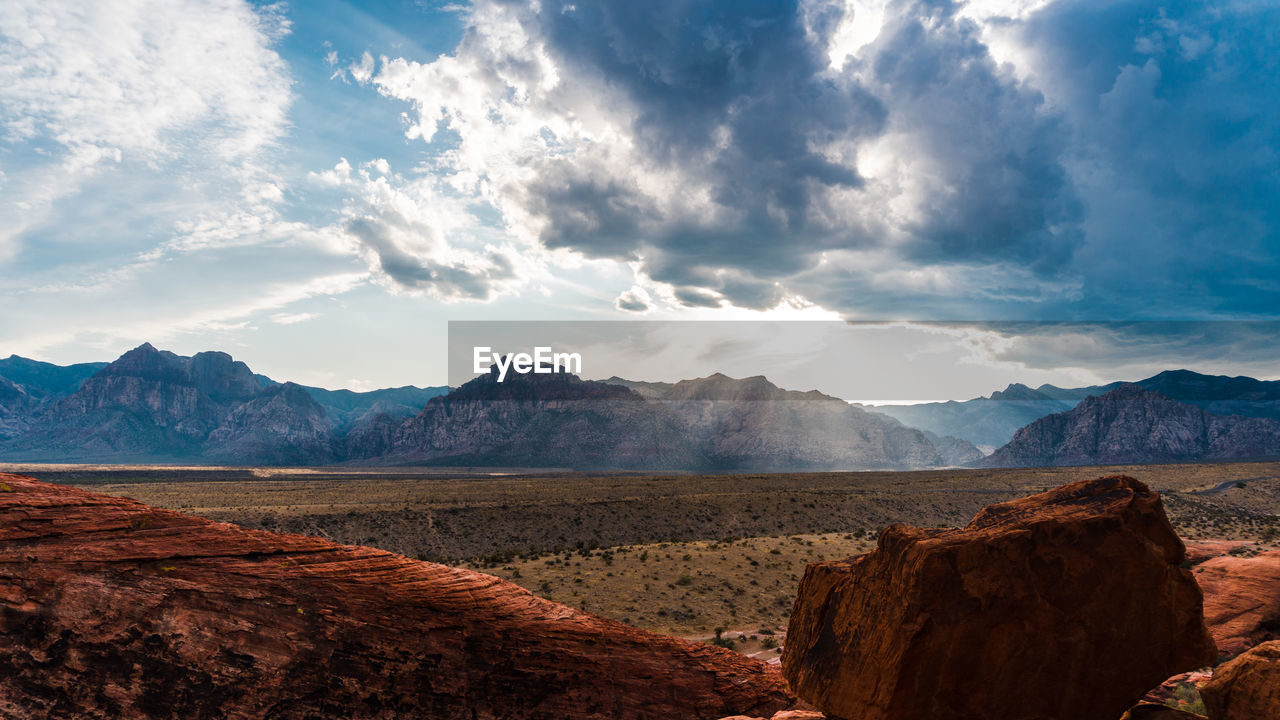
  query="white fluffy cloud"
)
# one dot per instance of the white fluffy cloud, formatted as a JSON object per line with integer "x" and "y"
{"x": 191, "y": 89}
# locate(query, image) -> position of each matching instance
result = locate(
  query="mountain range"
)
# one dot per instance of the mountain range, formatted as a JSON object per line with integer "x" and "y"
{"x": 715, "y": 423}
{"x": 155, "y": 406}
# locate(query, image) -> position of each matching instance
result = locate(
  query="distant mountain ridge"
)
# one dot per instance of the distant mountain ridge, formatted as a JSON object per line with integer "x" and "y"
{"x": 715, "y": 423}
{"x": 779, "y": 425}
{"x": 991, "y": 421}
{"x": 1134, "y": 425}
{"x": 27, "y": 386}
{"x": 153, "y": 405}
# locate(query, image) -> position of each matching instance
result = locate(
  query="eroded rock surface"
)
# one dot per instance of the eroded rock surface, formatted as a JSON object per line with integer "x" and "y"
{"x": 113, "y": 609}
{"x": 1241, "y": 599}
{"x": 1065, "y": 605}
{"x": 1246, "y": 688}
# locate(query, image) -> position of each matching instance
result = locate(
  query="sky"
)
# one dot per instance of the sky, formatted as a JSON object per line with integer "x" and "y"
{"x": 319, "y": 188}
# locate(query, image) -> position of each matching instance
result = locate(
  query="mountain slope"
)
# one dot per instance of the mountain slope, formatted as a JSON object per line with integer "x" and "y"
{"x": 147, "y": 404}
{"x": 1134, "y": 425}
{"x": 347, "y": 409}
{"x": 709, "y": 424}
{"x": 1219, "y": 394}
{"x": 42, "y": 379}
{"x": 283, "y": 425}
{"x": 153, "y": 405}
{"x": 991, "y": 421}
{"x": 752, "y": 424}
{"x": 554, "y": 420}
{"x": 28, "y": 386}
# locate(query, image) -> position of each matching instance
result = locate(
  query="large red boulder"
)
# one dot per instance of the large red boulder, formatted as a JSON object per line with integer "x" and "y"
{"x": 1241, "y": 599}
{"x": 1246, "y": 688}
{"x": 1065, "y": 605}
{"x": 112, "y": 609}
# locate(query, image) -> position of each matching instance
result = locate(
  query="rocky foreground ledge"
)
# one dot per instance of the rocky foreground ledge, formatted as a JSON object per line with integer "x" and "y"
{"x": 1067, "y": 605}
{"x": 113, "y": 609}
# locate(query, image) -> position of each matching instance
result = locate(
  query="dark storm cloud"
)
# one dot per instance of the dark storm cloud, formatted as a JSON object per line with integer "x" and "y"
{"x": 1235, "y": 347}
{"x": 1002, "y": 192}
{"x": 738, "y": 99}
{"x": 418, "y": 271}
{"x": 730, "y": 95}
{"x": 1173, "y": 109}
{"x": 694, "y": 297}
{"x": 1112, "y": 160}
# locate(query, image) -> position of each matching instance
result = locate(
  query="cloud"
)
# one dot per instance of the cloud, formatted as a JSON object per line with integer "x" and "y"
{"x": 292, "y": 318}
{"x": 388, "y": 240}
{"x": 994, "y": 158}
{"x": 635, "y": 300}
{"x": 418, "y": 236}
{"x": 192, "y": 88}
{"x": 715, "y": 146}
{"x": 1174, "y": 137}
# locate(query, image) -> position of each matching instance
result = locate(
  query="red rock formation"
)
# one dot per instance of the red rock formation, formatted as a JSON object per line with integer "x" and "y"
{"x": 110, "y": 608}
{"x": 1246, "y": 688}
{"x": 1199, "y": 551}
{"x": 1241, "y": 599}
{"x": 1065, "y": 605}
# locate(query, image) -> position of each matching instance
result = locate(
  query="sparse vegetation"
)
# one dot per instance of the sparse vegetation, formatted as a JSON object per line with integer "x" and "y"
{"x": 1187, "y": 698}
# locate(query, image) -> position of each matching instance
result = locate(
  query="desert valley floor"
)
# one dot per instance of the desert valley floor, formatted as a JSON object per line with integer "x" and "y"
{"x": 679, "y": 554}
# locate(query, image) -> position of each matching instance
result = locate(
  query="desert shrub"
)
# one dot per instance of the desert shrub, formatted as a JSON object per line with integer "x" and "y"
{"x": 1187, "y": 698}
{"x": 721, "y": 641}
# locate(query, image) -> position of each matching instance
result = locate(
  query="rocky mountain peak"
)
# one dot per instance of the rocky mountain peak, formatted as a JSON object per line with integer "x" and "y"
{"x": 1018, "y": 391}
{"x": 221, "y": 377}
{"x": 534, "y": 387}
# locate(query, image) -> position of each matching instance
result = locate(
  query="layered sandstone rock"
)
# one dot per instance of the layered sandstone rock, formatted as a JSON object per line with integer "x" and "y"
{"x": 1241, "y": 599}
{"x": 1065, "y": 605}
{"x": 112, "y": 609}
{"x": 1246, "y": 688}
